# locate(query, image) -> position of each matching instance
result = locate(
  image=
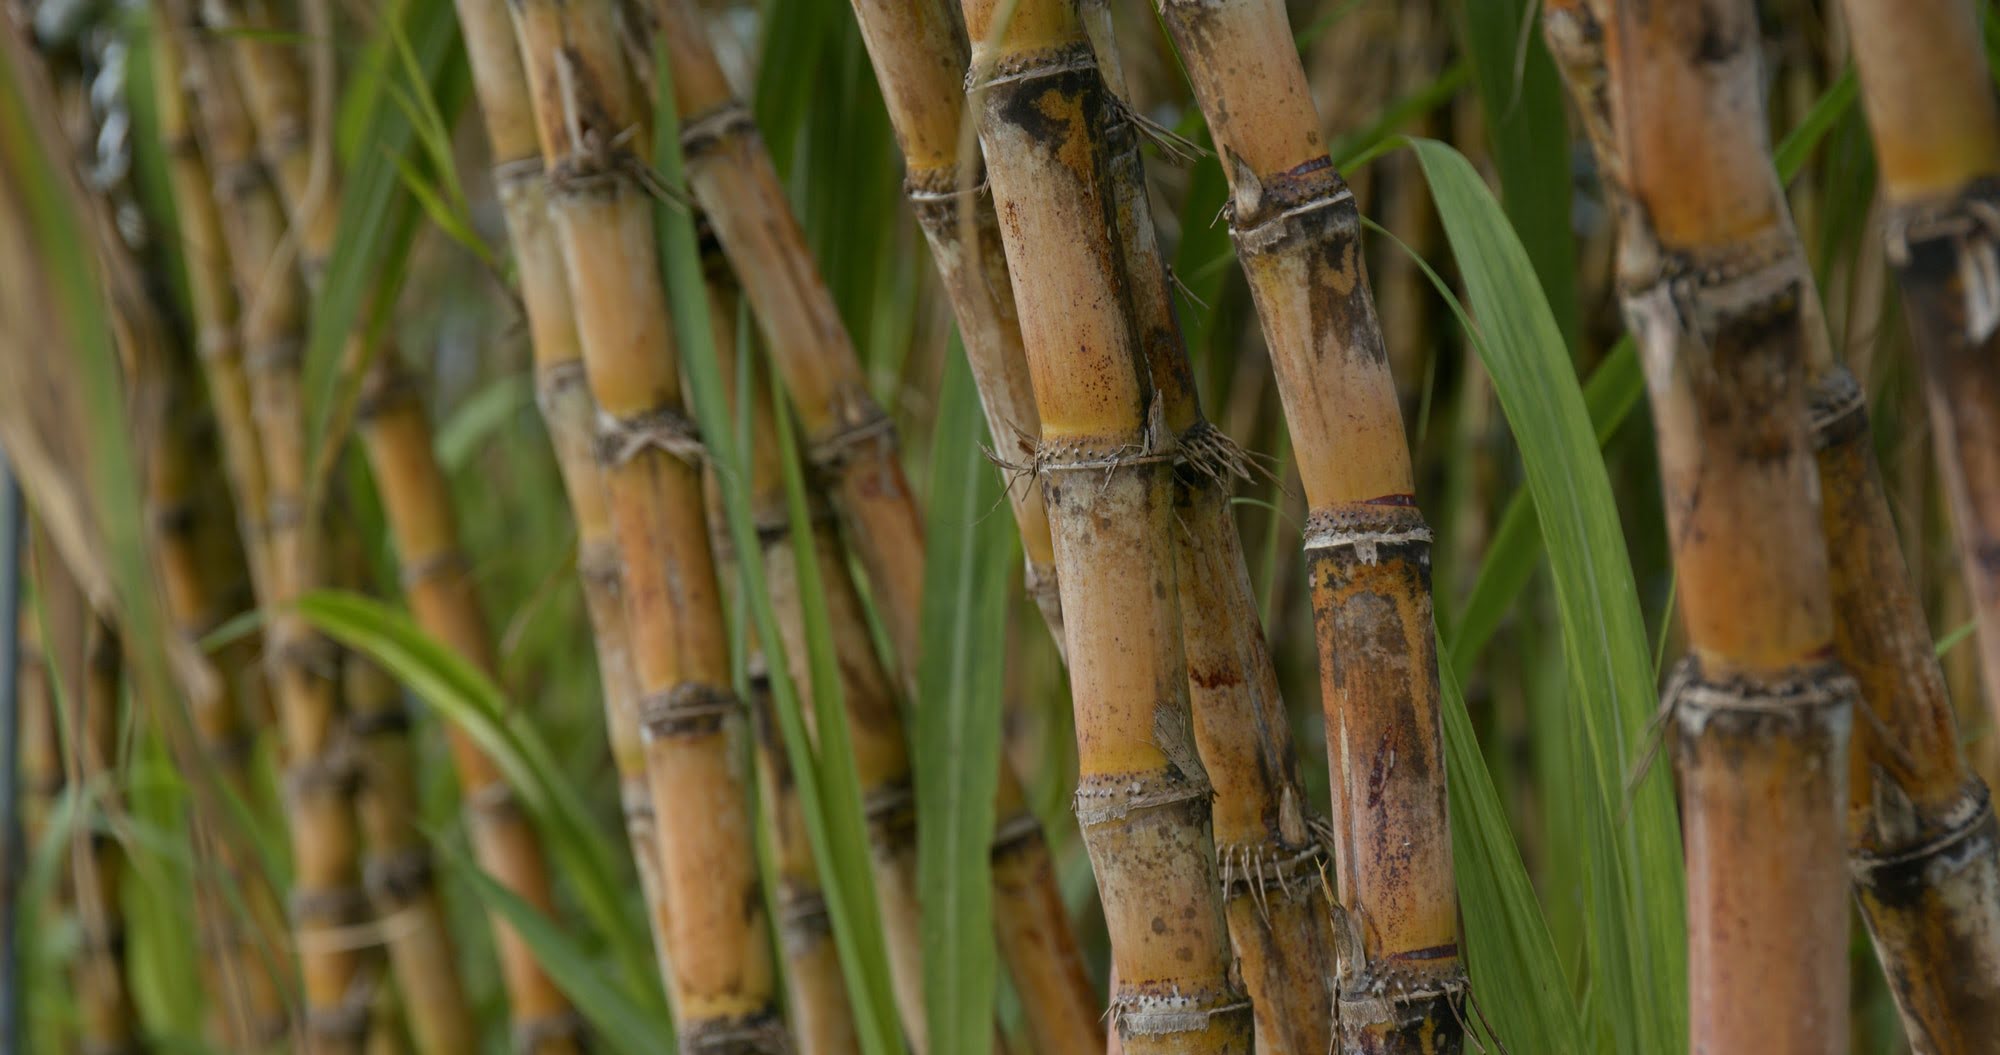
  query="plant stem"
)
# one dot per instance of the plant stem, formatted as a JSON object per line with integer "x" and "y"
{"x": 1724, "y": 312}
{"x": 1297, "y": 231}
{"x": 501, "y": 84}
{"x": 591, "y": 132}
{"x": 1103, "y": 462}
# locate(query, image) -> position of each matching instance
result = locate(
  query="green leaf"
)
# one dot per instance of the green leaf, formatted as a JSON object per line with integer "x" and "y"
{"x": 1634, "y": 897}
{"x": 957, "y": 736}
{"x": 1517, "y": 979}
{"x": 465, "y": 697}
{"x": 482, "y": 415}
{"x": 1522, "y": 99}
{"x": 615, "y": 1018}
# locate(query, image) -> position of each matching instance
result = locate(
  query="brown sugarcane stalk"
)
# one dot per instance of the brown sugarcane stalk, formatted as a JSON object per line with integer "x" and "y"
{"x": 327, "y": 894}
{"x": 1103, "y": 463}
{"x": 1930, "y": 104}
{"x": 395, "y": 433}
{"x": 848, "y": 437}
{"x": 816, "y": 993}
{"x": 851, "y": 446}
{"x": 1368, "y": 548}
{"x": 590, "y": 128}
{"x": 1725, "y": 314}
{"x": 919, "y": 53}
{"x": 1920, "y": 826}
{"x": 1272, "y": 858}
{"x": 501, "y": 86}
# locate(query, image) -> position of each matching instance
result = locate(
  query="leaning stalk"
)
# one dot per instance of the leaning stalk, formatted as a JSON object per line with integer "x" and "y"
{"x": 1297, "y": 234}
{"x": 590, "y": 130}
{"x": 1921, "y": 833}
{"x": 1724, "y": 312}
{"x": 919, "y": 53}
{"x": 1103, "y": 463}
{"x": 1930, "y": 103}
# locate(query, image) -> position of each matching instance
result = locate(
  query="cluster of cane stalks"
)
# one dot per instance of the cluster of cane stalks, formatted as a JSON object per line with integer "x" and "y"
{"x": 1816, "y": 747}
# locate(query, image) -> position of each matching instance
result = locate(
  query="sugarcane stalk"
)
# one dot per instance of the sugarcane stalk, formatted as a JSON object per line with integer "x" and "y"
{"x": 1401, "y": 985}
{"x": 501, "y": 87}
{"x": 396, "y": 437}
{"x": 1104, "y": 465}
{"x": 850, "y": 444}
{"x": 592, "y": 138}
{"x": 327, "y": 893}
{"x": 1724, "y": 311}
{"x": 1930, "y": 104}
{"x": 919, "y": 53}
{"x": 1922, "y": 846}
{"x": 1271, "y": 856}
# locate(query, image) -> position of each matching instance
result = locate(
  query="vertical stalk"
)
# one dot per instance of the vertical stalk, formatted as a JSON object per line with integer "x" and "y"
{"x": 1103, "y": 463}
{"x": 1922, "y": 845}
{"x": 1724, "y": 310}
{"x": 590, "y": 128}
{"x": 850, "y": 443}
{"x": 1930, "y": 104}
{"x": 1296, "y": 229}
{"x": 816, "y": 994}
{"x": 416, "y": 500}
{"x": 18, "y": 650}
{"x": 327, "y": 891}
{"x": 1262, "y": 833}
{"x": 501, "y": 86}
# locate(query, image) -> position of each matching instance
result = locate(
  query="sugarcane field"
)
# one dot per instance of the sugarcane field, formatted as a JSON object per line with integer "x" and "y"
{"x": 999, "y": 527}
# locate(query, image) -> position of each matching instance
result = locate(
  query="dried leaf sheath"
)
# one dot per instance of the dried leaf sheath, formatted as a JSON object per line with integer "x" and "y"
{"x": 1722, "y": 310}
{"x": 1296, "y": 231}
{"x": 1936, "y": 126}
{"x": 1921, "y": 845}
{"x": 1142, "y": 796}
{"x": 723, "y": 981}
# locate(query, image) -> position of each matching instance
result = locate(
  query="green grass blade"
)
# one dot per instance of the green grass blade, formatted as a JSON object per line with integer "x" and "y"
{"x": 958, "y": 730}
{"x": 465, "y": 697}
{"x": 1522, "y": 99}
{"x": 1637, "y": 927}
{"x": 615, "y": 1018}
{"x": 1518, "y": 982}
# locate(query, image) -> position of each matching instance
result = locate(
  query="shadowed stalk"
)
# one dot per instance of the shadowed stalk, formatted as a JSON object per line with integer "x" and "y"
{"x": 1724, "y": 313}
{"x": 1272, "y": 858}
{"x": 1401, "y": 985}
{"x": 1922, "y": 842}
{"x": 501, "y": 86}
{"x": 590, "y": 129}
{"x": 1104, "y": 465}
{"x": 919, "y": 53}
{"x": 852, "y": 447}
{"x": 329, "y": 893}
{"x": 1930, "y": 104}
{"x": 816, "y": 995}
{"x": 416, "y": 500}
